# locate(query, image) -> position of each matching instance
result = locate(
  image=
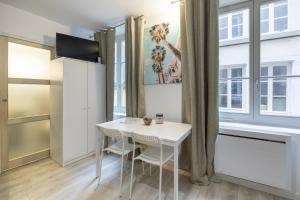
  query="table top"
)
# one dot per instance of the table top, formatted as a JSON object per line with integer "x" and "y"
{"x": 171, "y": 132}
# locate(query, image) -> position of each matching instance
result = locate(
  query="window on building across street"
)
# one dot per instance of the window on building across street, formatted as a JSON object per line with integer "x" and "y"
{"x": 119, "y": 91}
{"x": 259, "y": 72}
{"x": 274, "y": 17}
{"x": 232, "y": 88}
{"x": 237, "y": 25}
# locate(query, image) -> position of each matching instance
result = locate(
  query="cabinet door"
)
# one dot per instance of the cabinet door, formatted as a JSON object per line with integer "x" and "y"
{"x": 96, "y": 100}
{"x": 74, "y": 109}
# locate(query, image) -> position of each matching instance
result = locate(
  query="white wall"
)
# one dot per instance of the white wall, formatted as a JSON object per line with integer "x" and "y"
{"x": 166, "y": 98}
{"x": 24, "y": 25}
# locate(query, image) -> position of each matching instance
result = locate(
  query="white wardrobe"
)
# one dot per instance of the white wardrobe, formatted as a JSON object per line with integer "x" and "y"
{"x": 78, "y": 95}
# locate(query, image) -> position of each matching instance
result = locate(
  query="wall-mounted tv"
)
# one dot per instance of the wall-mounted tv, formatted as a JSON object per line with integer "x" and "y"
{"x": 78, "y": 48}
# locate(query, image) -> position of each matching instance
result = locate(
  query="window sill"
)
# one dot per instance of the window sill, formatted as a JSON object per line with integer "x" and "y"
{"x": 257, "y": 131}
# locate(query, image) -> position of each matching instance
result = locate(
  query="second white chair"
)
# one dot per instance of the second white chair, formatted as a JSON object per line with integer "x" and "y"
{"x": 155, "y": 154}
{"x": 121, "y": 147}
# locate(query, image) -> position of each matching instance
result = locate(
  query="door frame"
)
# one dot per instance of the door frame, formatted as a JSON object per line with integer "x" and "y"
{"x": 3, "y": 101}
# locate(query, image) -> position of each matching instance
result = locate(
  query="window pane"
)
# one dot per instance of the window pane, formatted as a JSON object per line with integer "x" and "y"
{"x": 223, "y": 73}
{"x": 116, "y": 73}
{"x": 223, "y": 88}
{"x": 264, "y": 103}
{"x": 236, "y": 87}
{"x": 223, "y": 34}
{"x": 237, "y": 31}
{"x": 264, "y": 27}
{"x": 123, "y": 97}
{"x": 236, "y": 102}
{"x": 236, "y": 73}
{"x": 223, "y": 27}
{"x": 223, "y": 101}
{"x": 280, "y": 24}
{"x": 116, "y": 97}
{"x": 123, "y": 51}
{"x": 279, "y": 88}
{"x": 235, "y": 65}
{"x": 237, "y": 19}
{"x": 279, "y": 71}
{"x": 264, "y": 13}
{"x": 280, "y": 58}
{"x": 279, "y": 104}
{"x": 264, "y": 88}
{"x": 280, "y": 10}
{"x": 263, "y": 71}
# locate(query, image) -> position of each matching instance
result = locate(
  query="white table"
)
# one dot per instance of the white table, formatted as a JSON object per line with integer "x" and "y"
{"x": 170, "y": 133}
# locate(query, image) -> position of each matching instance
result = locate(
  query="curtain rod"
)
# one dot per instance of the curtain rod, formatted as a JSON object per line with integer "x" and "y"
{"x": 121, "y": 24}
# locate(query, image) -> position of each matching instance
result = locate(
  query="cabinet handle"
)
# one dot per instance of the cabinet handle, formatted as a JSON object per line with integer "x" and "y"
{"x": 4, "y": 100}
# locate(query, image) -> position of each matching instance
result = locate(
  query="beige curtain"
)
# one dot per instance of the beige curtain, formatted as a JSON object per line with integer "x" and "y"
{"x": 200, "y": 55}
{"x": 106, "y": 41}
{"x": 134, "y": 44}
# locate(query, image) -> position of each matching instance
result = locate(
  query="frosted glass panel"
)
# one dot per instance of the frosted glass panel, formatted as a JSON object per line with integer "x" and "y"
{"x": 28, "y": 62}
{"x": 28, "y": 138}
{"x": 27, "y": 100}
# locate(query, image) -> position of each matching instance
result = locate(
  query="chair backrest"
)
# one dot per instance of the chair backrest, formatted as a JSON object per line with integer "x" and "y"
{"x": 111, "y": 132}
{"x": 144, "y": 139}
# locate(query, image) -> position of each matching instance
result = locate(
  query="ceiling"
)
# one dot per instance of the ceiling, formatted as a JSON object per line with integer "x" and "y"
{"x": 95, "y": 14}
{"x": 92, "y": 14}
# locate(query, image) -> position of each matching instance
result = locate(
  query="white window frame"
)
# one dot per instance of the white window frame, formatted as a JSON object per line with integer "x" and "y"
{"x": 288, "y": 95}
{"x": 228, "y": 81}
{"x": 254, "y": 116}
{"x": 118, "y": 85}
{"x": 272, "y": 18}
{"x": 230, "y": 26}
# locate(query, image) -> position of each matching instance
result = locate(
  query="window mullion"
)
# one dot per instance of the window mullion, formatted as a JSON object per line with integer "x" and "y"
{"x": 255, "y": 57}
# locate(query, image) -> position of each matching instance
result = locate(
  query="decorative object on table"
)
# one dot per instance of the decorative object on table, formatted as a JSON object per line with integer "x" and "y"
{"x": 147, "y": 121}
{"x": 162, "y": 54}
{"x": 159, "y": 118}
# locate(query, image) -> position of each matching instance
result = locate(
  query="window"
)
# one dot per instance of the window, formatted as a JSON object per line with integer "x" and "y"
{"x": 119, "y": 92}
{"x": 273, "y": 88}
{"x": 274, "y": 17}
{"x": 232, "y": 89}
{"x": 259, "y": 77}
{"x": 231, "y": 25}
{"x": 264, "y": 19}
{"x": 237, "y": 25}
{"x": 280, "y": 16}
{"x": 223, "y": 28}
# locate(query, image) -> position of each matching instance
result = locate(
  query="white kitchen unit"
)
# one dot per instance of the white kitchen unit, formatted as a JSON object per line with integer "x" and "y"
{"x": 77, "y": 92}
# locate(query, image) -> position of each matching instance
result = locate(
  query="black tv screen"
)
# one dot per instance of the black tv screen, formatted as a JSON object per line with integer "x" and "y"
{"x": 78, "y": 48}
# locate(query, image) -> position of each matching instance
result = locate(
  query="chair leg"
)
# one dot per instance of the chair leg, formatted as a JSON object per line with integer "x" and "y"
{"x": 143, "y": 165}
{"x": 121, "y": 175}
{"x": 150, "y": 170}
{"x": 160, "y": 182}
{"x": 131, "y": 179}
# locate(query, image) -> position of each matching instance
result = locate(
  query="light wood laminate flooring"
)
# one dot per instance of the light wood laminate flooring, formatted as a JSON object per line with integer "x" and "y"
{"x": 46, "y": 180}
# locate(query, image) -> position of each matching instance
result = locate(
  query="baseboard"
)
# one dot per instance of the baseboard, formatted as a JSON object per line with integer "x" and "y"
{"x": 78, "y": 159}
{"x": 260, "y": 187}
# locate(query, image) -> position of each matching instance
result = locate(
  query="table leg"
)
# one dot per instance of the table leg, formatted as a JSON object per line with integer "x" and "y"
{"x": 98, "y": 148}
{"x": 176, "y": 172}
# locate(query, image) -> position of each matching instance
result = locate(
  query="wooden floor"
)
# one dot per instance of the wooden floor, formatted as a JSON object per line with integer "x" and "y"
{"x": 46, "y": 180}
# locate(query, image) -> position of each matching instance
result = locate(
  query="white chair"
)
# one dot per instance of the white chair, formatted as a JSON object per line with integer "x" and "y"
{"x": 154, "y": 154}
{"x": 121, "y": 147}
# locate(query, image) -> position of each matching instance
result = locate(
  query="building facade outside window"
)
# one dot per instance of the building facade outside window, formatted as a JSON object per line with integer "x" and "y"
{"x": 259, "y": 72}
{"x": 119, "y": 80}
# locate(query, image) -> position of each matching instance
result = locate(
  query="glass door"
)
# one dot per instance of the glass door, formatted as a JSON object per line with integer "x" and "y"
{"x": 27, "y": 134}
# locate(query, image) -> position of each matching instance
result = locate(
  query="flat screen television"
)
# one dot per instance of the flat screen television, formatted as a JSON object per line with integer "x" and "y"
{"x": 78, "y": 48}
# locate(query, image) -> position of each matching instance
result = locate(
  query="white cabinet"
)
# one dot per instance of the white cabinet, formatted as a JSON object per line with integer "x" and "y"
{"x": 77, "y": 94}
